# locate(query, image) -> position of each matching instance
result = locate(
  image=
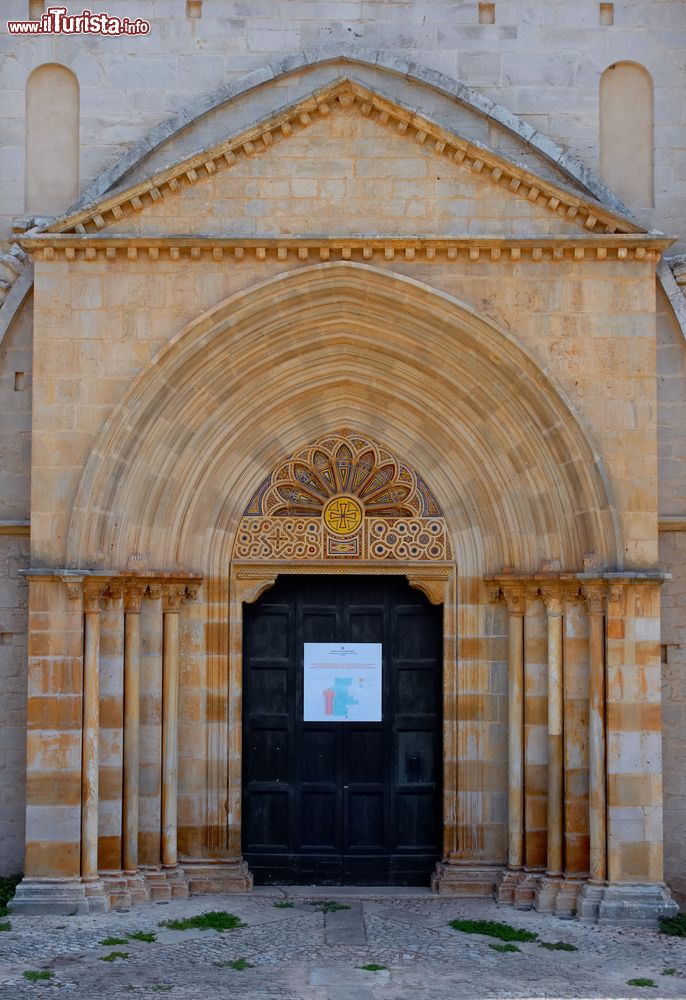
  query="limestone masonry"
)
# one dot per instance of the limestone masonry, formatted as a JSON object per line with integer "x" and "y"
{"x": 426, "y": 257}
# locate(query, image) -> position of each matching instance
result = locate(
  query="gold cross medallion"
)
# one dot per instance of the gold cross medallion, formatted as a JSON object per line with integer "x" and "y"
{"x": 343, "y": 515}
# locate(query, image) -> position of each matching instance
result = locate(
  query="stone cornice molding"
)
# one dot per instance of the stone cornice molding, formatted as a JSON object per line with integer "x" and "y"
{"x": 467, "y": 248}
{"x": 133, "y": 587}
{"x": 346, "y": 93}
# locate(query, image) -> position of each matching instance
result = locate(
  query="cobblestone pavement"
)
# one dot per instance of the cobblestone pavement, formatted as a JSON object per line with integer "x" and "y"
{"x": 302, "y": 952}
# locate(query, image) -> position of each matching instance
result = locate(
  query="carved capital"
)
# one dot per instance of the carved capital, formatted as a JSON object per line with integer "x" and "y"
{"x": 615, "y": 595}
{"x": 173, "y": 597}
{"x": 92, "y": 592}
{"x": 514, "y": 595}
{"x": 73, "y": 585}
{"x": 595, "y": 594}
{"x": 553, "y": 595}
{"x": 133, "y": 596}
{"x": 154, "y": 591}
{"x": 193, "y": 590}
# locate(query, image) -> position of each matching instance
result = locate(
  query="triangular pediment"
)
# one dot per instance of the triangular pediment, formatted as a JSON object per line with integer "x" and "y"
{"x": 346, "y": 161}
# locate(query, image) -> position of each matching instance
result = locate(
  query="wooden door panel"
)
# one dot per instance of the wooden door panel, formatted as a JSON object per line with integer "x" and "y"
{"x": 340, "y": 802}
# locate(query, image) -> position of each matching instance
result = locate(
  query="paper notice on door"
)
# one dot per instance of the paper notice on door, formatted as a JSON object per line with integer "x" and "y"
{"x": 342, "y": 683}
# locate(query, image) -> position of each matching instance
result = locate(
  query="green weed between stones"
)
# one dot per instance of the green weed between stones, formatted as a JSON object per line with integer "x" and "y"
{"x": 492, "y": 928}
{"x": 238, "y": 964}
{"x": 641, "y": 982}
{"x": 283, "y": 904}
{"x": 8, "y": 886}
{"x": 35, "y": 977}
{"x": 328, "y": 905}
{"x": 674, "y": 926}
{"x": 215, "y": 920}
{"x": 557, "y": 946}
{"x": 161, "y": 988}
{"x": 505, "y": 947}
{"x": 141, "y": 936}
{"x": 113, "y": 956}
{"x": 669, "y": 972}
{"x": 5, "y": 926}
{"x": 110, "y": 941}
{"x": 372, "y": 967}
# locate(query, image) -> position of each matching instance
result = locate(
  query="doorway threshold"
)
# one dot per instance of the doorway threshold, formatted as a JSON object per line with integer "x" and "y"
{"x": 347, "y": 891}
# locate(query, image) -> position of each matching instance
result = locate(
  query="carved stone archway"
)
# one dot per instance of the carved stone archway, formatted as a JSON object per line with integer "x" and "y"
{"x": 343, "y": 504}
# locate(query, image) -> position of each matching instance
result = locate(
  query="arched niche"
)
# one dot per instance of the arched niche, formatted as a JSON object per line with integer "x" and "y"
{"x": 626, "y": 133}
{"x": 52, "y": 140}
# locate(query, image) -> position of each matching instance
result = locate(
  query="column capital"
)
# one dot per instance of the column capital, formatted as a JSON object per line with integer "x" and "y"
{"x": 594, "y": 592}
{"x": 173, "y": 597}
{"x": 154, "y": 592}
{"x": 92, "y": 592}
{"x": 73, "y": 585}
{"x": 133, "y": 596}
{"x": 514, "y": 595}
{"x": 553, "y": 594}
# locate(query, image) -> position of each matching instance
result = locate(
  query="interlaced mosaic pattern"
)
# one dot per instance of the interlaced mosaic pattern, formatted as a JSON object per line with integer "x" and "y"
{"x": 343, "y": 497}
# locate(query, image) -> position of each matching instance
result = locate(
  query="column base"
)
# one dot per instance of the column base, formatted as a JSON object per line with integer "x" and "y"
{"x": 177, "y": 881}
{"x": 158, "y": 885}
{"x": 117, "y": 891}
{"x": 140, "y": 892}
{"x": 64, "y": 897}
{"x": 641, "y": 905}
{"x": 566, "y": 904}
{"x": 229, "y": 875}
{"x": 507, "y": 884}
{"x": 451, "y": 879}
{"x": 546, "y": 894}
{"x": 588, "y": 901}
{"x": 525, "y": 891}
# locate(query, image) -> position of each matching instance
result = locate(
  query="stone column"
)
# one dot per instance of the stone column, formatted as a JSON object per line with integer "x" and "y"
{"x": 587, "y": 906}
{"x": 172, "y": 598}
{"x": 635, "y": 891}
{"x": 90, "y": 757}
{"x": 133, "y": 595}
{"x": 514, "y": 595}
{"x": 550, "y": 885}
{"x": 53, "y": 881}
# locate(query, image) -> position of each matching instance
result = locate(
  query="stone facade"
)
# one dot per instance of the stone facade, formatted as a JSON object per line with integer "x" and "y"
{"x": 347, "y": 238}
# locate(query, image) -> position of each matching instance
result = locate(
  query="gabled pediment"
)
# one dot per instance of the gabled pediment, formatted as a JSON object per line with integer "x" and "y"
{"x": 346, "y": 161}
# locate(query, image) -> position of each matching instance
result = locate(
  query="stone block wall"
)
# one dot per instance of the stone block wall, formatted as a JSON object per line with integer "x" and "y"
{"x": 542, "y": 61}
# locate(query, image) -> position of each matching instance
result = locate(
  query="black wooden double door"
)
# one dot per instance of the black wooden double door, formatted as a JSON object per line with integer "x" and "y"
{"x": 336, "y": 803}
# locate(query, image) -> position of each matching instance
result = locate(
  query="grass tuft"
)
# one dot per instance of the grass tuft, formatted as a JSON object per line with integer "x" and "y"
{"x": 674, "y": 926}
{"x": 215, "y": 920}
{"x": 328, "y": 905}
{"x": 140, "y": 936}
{"x": 113, "y": 956}
{"x": 669, "y": 972}
{"x": 504, "y": 947}
{"x": 283, "y": 904}
{"x": 372, "y": 967}
{"x": 5, "y": 925}
{"x": 641, "y": 982}
{"x": 161, "y": 988}
{"x": 492, "y": 928}
{"x": 239, "y": 964}
{"x": 557, "y": 946}
{"x": 109, "y": 941}
{"x": 34, "y": 976}
{"x": 8, "y": 886}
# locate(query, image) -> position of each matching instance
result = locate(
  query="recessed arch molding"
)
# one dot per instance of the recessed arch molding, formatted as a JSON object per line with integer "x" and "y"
{"x": 269, "y": 370}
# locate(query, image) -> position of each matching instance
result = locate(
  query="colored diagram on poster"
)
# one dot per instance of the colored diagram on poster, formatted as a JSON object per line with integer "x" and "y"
{"x": 342, "y": 682}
